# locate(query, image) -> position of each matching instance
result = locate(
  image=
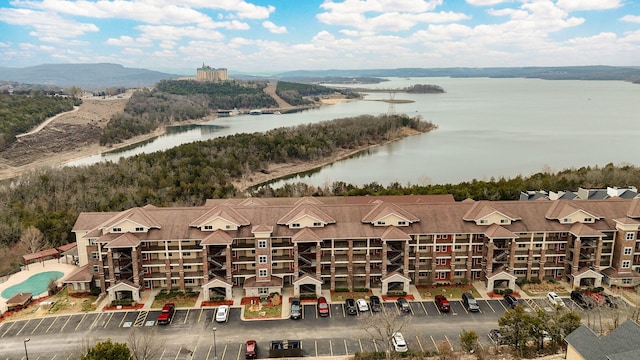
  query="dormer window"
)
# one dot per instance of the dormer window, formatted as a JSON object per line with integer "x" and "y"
{"x": 588, "y": 220}
{"x": 483, "y": 221}
{"x": 228, "y": 227}
{"x": 504, "y": 221}
{"x": 296, "y": 225}
{"x": 402, "y": 223}
{"x": 566, "y": 220}
{"x": 139, "y": 229}
{"x": 116, "y": 230}
{"x": 317, "y": 224}
{"x": 381, "y": 222}
{"x": 208, "y": 227}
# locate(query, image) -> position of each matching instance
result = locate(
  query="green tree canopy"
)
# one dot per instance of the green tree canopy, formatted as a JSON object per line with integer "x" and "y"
{"x": 108, "y": 350}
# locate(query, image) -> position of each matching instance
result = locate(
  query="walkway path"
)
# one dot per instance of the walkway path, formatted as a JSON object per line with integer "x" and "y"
{"x": 47, "y": 122}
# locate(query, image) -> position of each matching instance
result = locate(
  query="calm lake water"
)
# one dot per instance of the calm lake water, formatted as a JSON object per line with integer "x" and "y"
{"x": 487, "y": 128}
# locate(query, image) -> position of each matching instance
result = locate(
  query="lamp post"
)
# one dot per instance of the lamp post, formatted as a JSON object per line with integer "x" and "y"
{"x": 215, "y": 349}
{"x": 26, "y": 355}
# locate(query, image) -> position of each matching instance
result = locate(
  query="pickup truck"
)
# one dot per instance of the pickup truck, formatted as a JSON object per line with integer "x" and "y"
{"x": 166, "y": 314}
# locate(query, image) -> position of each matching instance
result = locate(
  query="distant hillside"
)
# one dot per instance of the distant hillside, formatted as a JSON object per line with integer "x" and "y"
{"x": 85, "y": 76}
{"x": 548, "y": 73}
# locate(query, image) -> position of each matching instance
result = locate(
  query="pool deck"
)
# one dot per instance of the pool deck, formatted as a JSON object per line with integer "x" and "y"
{"x": 33, "y": 269}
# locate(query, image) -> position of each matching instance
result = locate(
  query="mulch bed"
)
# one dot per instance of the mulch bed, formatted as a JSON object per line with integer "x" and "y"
{"x": 500, "y": 296}
{"x": 123, "y": 307}
{"x": 216, "y": 303}
{"x": 395, "y": 297}
{"x": 250, "y": 300}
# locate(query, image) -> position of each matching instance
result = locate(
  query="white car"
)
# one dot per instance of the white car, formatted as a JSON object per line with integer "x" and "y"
{"x": 222, "y": 314}
{"x": 362, "y": 305}
{"x": 399, "y": 345}
{"x": 554, "y": 299}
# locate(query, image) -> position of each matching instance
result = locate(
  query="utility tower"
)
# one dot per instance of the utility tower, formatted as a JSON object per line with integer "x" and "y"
{"x": 392, "y": 105}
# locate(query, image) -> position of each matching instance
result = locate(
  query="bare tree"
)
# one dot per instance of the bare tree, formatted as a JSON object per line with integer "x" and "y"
{"x": 381, "y": 326}
{"x": 32, "y": 239}
{"x": 143, "y": 344}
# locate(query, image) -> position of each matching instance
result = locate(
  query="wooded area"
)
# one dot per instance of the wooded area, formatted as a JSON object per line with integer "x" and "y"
{"x": 294, "y": 93}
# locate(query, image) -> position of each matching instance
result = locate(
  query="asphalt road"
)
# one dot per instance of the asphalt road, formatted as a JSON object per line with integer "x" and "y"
{"x": 190, "y": 334}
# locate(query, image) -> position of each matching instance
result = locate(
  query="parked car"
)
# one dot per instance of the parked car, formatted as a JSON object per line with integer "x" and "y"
{"x": 362, "y": 305}
{"x": 350, "y": 306}
{"x": 554, "y": 299}
{"x": 222, "y": 314}
{"x": 251, "y": 350}
{"x": 470, "y": 302}
{"x": 403, "y": 305}
{"x": 579, "y": 298}
{"x": 166, "y": 314}
{"x": 323, "y": 307}
{"x": 375, "y": 303}
{"x": 596, "y": 298}
{"x": 610, "y": 300}
{"x": 496, "y": 336}
{"x": 296, "y": 309}
{"x": 511, "y": 300}
{"x": 442, "y": 303}
{"x": 399, "y": 345}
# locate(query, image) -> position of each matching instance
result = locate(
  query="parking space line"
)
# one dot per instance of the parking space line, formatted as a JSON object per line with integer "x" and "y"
{"x": 449, "y": 341}
{"x": 25, "y": 325}
{"x": 36, "y": 328}
{"x": 490, "y": 307}
{"x": 224, "y": 351}
{"x": 53, "y": 322}
{"x": 13, "y": 323}
{"x": 316, "y": 346}
{"x": 424, "y": 308}
{"x": 434, "y": 344}
{"x": 375, "y": 345}
{"x": 346, "y": 348}
{"x": 81, "y": 320}
{"x": 502, "y": 304}
{"x": 463, "y": 307}
{"x": 343, "y": 314}
{"x": 419, "y": 343}
{"x": 124, "y": 317}
{"x": 178, "y": 354}
{"x": 200, "y": 316}
{"x": 95, "y": 321}
{"x": 163, "y": 351}
{"x": 316, "y": 309}
{"x": 194, "y": 351}
{"x": 186, "y": 317}
{"x": 54, "y": 356}
{"x": 208, "y": 352}
{"x": 360, "y": 342}
{"x": 411, "y": 309}
{"x": 479, "y": 343}
{"x": 66, "y": 322}
{"x": 330, "y": 347}
{"x": 68, "y": 357}
{"x": 108, "y": 320}
{"x": 239, "y": 352}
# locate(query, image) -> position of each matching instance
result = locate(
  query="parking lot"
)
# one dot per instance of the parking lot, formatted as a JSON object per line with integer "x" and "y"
{"x": 189, "y": 334}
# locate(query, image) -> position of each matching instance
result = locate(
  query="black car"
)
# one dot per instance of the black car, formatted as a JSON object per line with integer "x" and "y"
{"x": 296, "y": 309}
{"x": 579, "y": 298}
{"x": 511, "y": 300}
{"x": 495, "y": 335}
{"x": 403, "y": 305}
{"x": 350, "y": 306}
{"x": 610, "y": 300}
{"x": 375, "y": 304}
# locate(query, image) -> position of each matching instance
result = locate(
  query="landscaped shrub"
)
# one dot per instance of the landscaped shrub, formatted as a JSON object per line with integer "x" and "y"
{"x": 308, "y": 296}
{"x": 361, "y": 290}
{"x": 341, "y": 290}
{"x": 217, "y": 298}
{"x": 396, "y": 293}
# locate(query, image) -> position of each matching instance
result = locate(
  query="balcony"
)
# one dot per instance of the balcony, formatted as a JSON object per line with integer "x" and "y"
{"x": 281, "y": 258}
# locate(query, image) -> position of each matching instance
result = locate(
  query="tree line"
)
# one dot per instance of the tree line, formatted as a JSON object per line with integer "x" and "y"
{"x": 295, "y": 93}
{"x": 222, "y": 94}
{"x": 20, "y": 113}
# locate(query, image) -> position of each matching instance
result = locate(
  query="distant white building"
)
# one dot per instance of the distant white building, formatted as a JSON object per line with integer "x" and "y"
{"x": 207, "y": 73}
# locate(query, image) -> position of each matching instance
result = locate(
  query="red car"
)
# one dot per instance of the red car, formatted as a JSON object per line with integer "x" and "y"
{"x": 251, "y": 351}
{"x": 442, "y": 303}
{"x": 323, "y": 307}
{"x": 166, "y": 314}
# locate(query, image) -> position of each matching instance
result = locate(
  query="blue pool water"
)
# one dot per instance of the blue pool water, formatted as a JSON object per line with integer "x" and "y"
{"x": 36, "y": 284}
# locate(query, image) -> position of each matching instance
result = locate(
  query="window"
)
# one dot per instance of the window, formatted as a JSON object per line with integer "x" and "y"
{"x": 116, "y": 229}
{"x": 92, "y": 241}
{"x": 628, "y": 250}
{"x": 96, "y": 268}
{"x": 274, "y": 251}
{"x": 588, "y": 219}
{"x": 187, "y": 267}
{"x": 442, "y": 248}
{"x": 145, "y": 256}
{"x": 478, "y": 248}
{"x": 316, "y": 224}
{"x": 228, "y": 227}
{"x": 263, "y": 272}
{"x": 296, "y": 225}
{"x": 97, "y": 283}
{"x": 187, "y": 253}
{"x": 458, "y": 247}
{"x": 423, "y": 273}
{"x": 626, "y": 281}
{"x": 630, "y": 236}
{"x": 483, "y": 221}
{"x": 561, "y": 246}
{"x": 626, "y": 264}
{"x": 139, "y": 229}
{"x": 538, "y": 245}
{"x": 189, "y": 281}
{"x": 381, "y": 222}
{"x": 423, "y": 260}
{"x": 522, "y": 245}
{"x": 262, "y": 259}
{"x": 208, "y": 227}
{"x": 566, "y": 220}
{"x": 94, "y": 255}
{"x": 422, "y": 247}
{"x": 402, "y": 223}
{"x": 504, "y": 221}
{"x": 263, "y": 291}
{"x": 174, "y": 281}
{"x": 262, "y": 244}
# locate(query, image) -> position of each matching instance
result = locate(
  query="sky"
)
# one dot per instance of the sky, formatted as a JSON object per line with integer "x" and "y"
{"x": 269, "y": 36}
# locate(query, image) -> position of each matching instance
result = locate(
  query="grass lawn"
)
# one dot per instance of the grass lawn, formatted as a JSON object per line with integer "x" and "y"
{"x": 544, "y": 287}
{"x": 179, "y": 298}
{"x": 451, "y": 292}
{"x": 342, "y": 296}
{"x": 262, "y": 312}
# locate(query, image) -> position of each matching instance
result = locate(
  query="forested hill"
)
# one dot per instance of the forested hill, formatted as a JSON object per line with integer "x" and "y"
{"x": 547, "y": 73}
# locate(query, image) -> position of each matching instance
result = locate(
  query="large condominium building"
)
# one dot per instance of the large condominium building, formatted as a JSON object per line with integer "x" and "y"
{"x": 207, "y": 73}
{"x": 262, "y": 245}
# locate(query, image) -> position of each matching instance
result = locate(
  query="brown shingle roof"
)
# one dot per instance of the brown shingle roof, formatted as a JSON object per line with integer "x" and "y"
{"x": 81, "y": 274}
{"x": 126, "y": 240}
{"x": 482, "y": 209}
{"x": 218, "y": 237}
{"x": 393, "y": 233}
{"x": 304, "y": 210}
{"x": 253, "y": 283}
{"x": 495, "y": 231}
{"x": 226, "y": 213}
{"x": 306, "y": 235}
{"x": 634, "y": 209}
{"x": 384, "y": 209}
{"x": 579, "y": 229}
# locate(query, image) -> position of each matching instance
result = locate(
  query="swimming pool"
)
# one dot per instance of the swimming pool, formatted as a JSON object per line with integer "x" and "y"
{"x": 35, "y": 284}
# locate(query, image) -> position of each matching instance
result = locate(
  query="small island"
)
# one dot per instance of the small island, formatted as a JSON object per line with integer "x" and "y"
{"x": 424, "y": 89}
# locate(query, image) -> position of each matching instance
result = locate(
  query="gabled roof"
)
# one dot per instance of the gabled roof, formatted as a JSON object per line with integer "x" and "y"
{"x": 620, "y": 343}
{"x": 217, "y": 280}
{"x": 306, "y": 235}
{"x": 393, "y": 275}
{"x": 561, "y": 209}
{"x": 304, "y": 210}
{"x": 501, "y": 274}
{"x": 309, "y": 200}
{"x": 223, "y": 212}
{"x": 124, "y": 284}
{"x": 218, "y": 237}
{"x": 627, "y": 221}
{"x": 634, "y": 209}
{"x": 482, "y": 209}
{"x": 136, "y": 215}
{"x": 384, "y": 209}
{"x": 495, "y": 231}
{"x": 580, "y": 229}
{"x": 307, "y": 279}
{"x": 82, "y": 274}
{"x": 262, "y": 228}
{"x": 393, "y": 233}
{"x": 126, "y": 240}
{"x": 252, "y": 201}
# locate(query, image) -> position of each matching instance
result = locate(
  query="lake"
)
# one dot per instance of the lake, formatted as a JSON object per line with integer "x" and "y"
{"x": 486, "y": 128}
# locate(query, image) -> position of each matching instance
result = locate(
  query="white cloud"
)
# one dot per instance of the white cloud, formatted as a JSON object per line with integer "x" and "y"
{"x": 273, "y": 28}
{"x": 363, "y": 6}
{"x": 577, "y": 5}
{"x": 175, "y": 33}
{"x": 47, "y": 27}
{"x": 5, "y": 44}
{"x": 128, "y": 41}
{"x": 485, "y": 2}
{"x": 132, "y": 51}
{"x": 631, "y": 18}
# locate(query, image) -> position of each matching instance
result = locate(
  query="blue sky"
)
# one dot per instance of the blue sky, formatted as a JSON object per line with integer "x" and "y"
{"x": 262, "y": 36}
